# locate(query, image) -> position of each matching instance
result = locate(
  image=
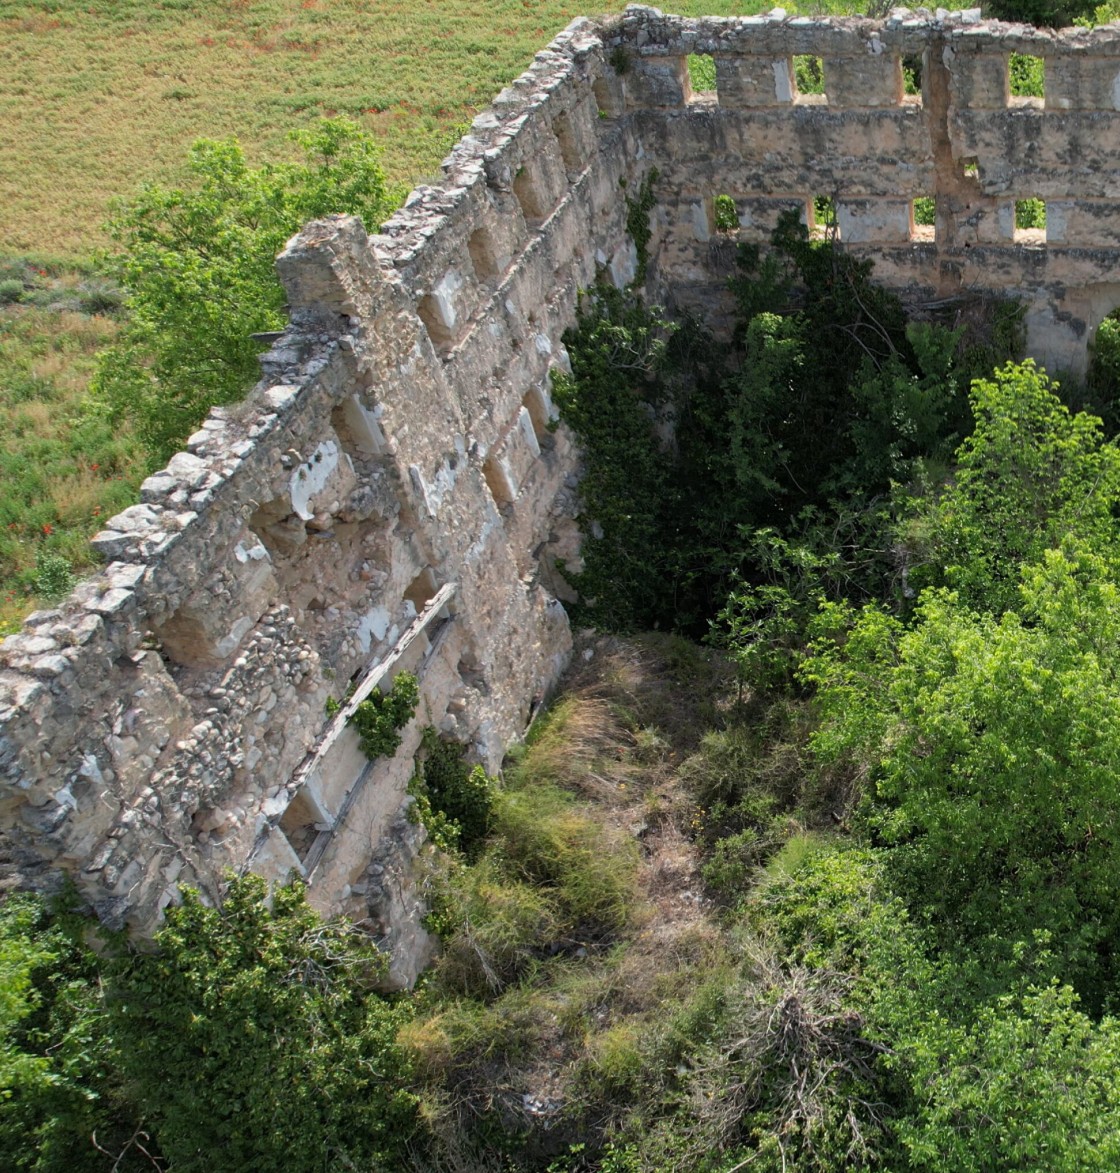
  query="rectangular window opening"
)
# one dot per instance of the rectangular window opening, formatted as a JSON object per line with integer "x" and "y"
{"x": 483, "y": 254}
{"x": 432, "y": 314}
{"x": 604, "y": 99}
{"x": 302, "y": 822}
{"x": 702, "y": 74}
{"x": 536, "y": 403}
{"x": 912, "y": 75}
{"x": 569, "y": 150}
{"x": 1026, "y": 76}
{"x": 970, "y": 167}
{"x": 499, "y": 482}
{"x": 923, "y": 218}
{"x": 823, "y": 222}
{"x": 528, "y": 196}
{"x": 1030, "y": 221}
{"x": 421, "y": 589}
{"x": 725, "y": 215}
{"x": 808, "y": 76}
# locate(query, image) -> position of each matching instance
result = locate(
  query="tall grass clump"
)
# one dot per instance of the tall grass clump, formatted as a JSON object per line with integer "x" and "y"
{"x": 549, "y": 841}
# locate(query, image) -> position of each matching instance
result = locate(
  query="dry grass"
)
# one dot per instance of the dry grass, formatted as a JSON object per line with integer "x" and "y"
{"x": 563, "y": 1032}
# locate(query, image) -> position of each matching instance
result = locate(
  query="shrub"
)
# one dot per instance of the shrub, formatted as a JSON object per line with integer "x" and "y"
{"x": 725, "y": 214}
{"x": 11, "y": 291}
{"x": 455, "y": 801}
{"x": 254, "y": 1040}
{"x": 380, "y": 718}
{"x": 98, "y": 296}
{"x": 54, "y": 576}
{"x": 63, "y": 1104}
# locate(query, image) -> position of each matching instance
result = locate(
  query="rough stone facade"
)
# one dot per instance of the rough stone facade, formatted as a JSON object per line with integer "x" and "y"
{"x": 393, "y": 494}
{"x": 964, "y": 141}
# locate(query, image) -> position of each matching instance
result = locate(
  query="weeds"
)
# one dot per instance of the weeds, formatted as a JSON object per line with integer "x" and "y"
{"x": 587, "y": 1011}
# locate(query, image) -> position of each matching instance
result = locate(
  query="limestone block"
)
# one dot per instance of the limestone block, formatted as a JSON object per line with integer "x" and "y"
{"x": 879, "y": 221}
{"x": 1083, "y": 223}
{"x": 610, "y": 94}
{"x": 328, "y": 266}
{"x": 746, "y": 82}
{"x": 1076, "y": 82}
{"x": 656, "y": 81}
{"x": 575, "y": 132}
{"x": 875, "y": 79}
{"x": 977, "y": 80}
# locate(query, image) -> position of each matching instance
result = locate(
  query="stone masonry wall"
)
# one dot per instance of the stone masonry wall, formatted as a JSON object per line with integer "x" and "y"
{"x": 964, "y": 140}
{"x": 390, "y": 497}
{"x": 394, "y": 494}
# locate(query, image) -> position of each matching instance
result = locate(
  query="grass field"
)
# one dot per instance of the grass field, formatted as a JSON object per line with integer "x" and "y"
{"x": 99, "y": 96}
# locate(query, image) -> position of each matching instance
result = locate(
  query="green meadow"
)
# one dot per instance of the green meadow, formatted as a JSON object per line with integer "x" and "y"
{"x": 101, "y": 96}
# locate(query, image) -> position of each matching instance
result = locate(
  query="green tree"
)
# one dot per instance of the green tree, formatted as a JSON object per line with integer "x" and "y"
{"x": 990, "y": 746}
{"x": 619, "y": 357}
{"x": 63, "y": 1104}
{"x": 1030, "y": 473}
{"x": 198, "y": 266}
{"x": 1031, "y": 1083}
{"x": 254, "y": 1039}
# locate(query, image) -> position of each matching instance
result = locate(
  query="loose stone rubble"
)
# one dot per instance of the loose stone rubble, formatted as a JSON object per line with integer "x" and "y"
{"x": 395, "y": 494}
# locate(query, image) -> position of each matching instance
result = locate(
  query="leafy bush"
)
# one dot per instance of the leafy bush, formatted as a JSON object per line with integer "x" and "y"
{"x": 1103, "y": 377}
{"x": 198, "y": 267}
{"x": 64, "y": 1107}
{"x": 380, "y": 718}
{"x": 1032, "y": 1083}
{"x": 618, "y": 350}
{"x": 702, "y": 73}
{"x": 1046, "y": 13}
{"x": 54, "y": 576}
{"x": 1030, "y": 474}
{"x": 1030, "y": 214}
{"x": 1026, "y": 77}
{"x": 725, "y": 214}
{"x": 253, "y": 1038}
{"x": 455, "y": 800}
{"x": 925, "y": 211}
{"x": 11, "y": 291}
{"x": 991, "y": 742}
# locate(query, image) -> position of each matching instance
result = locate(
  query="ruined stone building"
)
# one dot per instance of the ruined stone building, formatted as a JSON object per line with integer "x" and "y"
{"x": 394, "y": 495}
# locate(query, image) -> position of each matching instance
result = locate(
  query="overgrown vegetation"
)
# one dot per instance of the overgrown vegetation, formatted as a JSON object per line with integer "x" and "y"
{"x": 380, "y": 718}
{"x": 199, "y": 266}
{"x": 826, "y": 397}
{"x": 833, "y": 891}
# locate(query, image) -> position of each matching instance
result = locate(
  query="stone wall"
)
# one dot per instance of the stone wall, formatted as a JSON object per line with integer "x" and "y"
{"x": 964, "y": 141}
{"x": 391, "y": 497}
{"x": 394, "y": 496}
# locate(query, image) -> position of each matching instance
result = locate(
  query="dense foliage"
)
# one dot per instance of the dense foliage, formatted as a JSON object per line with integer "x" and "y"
{"x": 840, "y": 896}
{"x": 826, "y": 396}
{"x": 252, "y": 1038}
